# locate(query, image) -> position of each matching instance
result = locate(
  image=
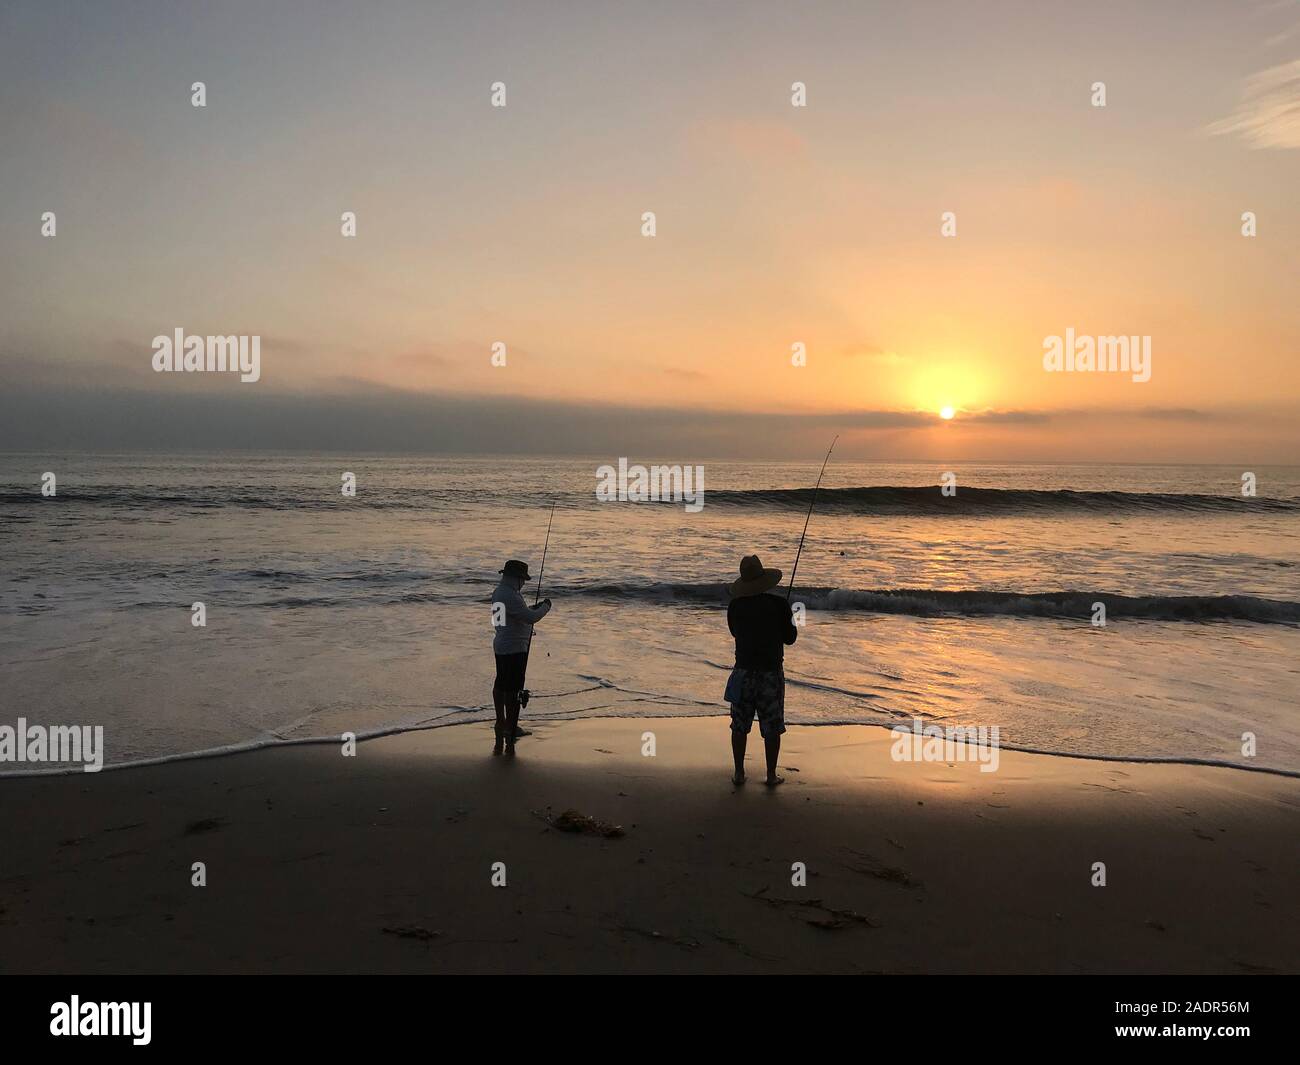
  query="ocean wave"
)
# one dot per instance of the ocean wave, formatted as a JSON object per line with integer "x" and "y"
{"x": 930, "y": 500}
{"x": 245, "y": 497}
{"x": 916, "y": 602}
{"x": 876, "y": 499}
{"x": 931, "y": 602}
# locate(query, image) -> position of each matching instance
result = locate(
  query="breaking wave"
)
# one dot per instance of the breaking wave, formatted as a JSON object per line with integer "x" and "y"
{"x": 930, "y": 500}
{"x": 926, "y": 500}
{"x": 929, "y": 602}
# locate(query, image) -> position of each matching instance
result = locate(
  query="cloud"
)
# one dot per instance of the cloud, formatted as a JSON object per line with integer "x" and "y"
{"x": 1177, "y": 414}
{"x": 424, "y": 357}
{"x": 375, "y": 419}
{"x": 180, "y": 413}
{"x": 1010, "y": 417}
{"x": 1268, "y": 115}
{"x": 1042, "y": 417}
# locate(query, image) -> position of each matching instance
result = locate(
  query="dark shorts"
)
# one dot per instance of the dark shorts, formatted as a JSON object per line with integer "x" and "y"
{"x": 760, "y": 693}
{"x": 510, "y": 672}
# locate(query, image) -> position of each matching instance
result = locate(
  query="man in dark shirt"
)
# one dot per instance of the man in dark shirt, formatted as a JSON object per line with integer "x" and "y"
{"x": 762, "y": 625}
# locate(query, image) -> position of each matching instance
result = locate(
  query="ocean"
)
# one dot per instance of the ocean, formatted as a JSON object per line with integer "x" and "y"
{"x": 328, "y": 614}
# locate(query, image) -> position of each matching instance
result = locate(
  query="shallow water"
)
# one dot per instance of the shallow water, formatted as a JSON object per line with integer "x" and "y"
{"x": 327, "y": 614}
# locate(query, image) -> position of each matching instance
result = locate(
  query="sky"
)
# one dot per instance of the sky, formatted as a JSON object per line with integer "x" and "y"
{"x": 775, "y": 225}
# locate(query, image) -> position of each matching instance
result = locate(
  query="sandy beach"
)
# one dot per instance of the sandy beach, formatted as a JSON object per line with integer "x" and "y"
{"x": 384, "y": 862}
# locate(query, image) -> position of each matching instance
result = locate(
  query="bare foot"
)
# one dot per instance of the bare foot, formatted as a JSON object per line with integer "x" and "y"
{"x": 772, "y": 782}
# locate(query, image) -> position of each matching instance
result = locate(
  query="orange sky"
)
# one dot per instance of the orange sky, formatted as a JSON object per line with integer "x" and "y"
{"x": 775, "y": 224}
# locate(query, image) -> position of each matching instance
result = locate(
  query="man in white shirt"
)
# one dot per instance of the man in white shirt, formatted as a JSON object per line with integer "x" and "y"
{"x": 513, "y": 620}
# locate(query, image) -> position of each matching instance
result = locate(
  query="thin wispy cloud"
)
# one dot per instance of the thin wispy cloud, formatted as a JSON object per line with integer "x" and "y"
{"x": 1268, "y": 115}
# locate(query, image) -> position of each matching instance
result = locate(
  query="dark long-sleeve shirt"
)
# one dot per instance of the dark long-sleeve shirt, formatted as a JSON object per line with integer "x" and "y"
{"x": 762, "y": 625}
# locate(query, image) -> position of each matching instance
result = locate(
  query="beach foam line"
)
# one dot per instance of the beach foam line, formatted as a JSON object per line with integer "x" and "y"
{"x": 265, "y": 743}
{"x": 259, "y": 744}
{"x": 1140, "y": 759}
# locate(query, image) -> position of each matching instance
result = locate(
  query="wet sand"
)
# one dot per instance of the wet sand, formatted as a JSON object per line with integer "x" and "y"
{"x": 384, "y": 862}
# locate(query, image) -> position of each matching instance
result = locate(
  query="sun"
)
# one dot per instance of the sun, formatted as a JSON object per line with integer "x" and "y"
{"x": 946, "y": 413}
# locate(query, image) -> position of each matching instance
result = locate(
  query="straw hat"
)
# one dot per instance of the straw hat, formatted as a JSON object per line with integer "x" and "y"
{"x": 754, "y": 578}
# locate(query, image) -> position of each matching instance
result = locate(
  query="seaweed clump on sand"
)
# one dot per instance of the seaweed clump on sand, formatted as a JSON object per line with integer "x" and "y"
{"x": 583, "y": 824}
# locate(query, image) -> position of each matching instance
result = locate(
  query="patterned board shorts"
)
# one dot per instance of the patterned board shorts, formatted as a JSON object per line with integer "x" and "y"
{"x": 761, "y": 692}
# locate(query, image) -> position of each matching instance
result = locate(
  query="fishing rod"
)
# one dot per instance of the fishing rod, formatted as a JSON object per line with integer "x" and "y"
{"x": 806, "y": 520}
{"x": 542, "y": 572}
{"x": 537, "y": 598}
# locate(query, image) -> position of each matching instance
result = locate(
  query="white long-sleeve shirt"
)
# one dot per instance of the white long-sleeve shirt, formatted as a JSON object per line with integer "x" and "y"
{"x": 512, "y": 637}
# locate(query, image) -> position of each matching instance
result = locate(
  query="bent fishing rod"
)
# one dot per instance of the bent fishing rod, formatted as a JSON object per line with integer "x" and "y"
{"x": 811, "y": 503}
{"x": 541, "y": 573}
{"x": 537, "y": 598}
